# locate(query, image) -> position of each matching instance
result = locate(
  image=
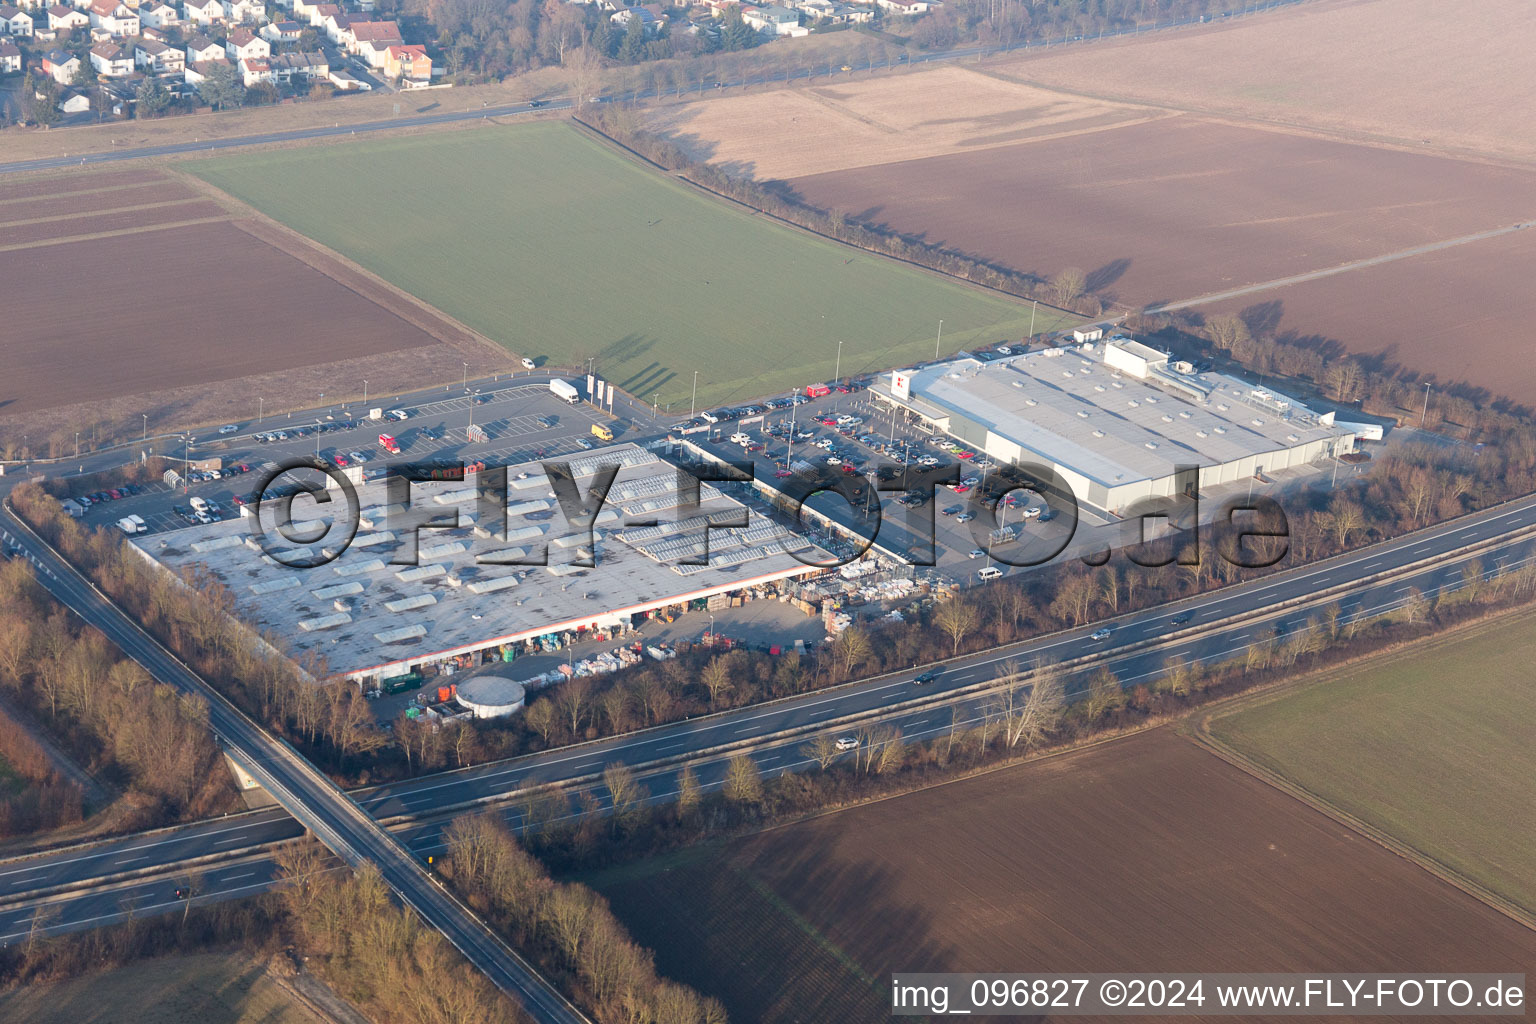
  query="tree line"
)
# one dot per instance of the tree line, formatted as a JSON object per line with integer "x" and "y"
{"x": 147, "y": 738}
{"x": 565, "y": 929}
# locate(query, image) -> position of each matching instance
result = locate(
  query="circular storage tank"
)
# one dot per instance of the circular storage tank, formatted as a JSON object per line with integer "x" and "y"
{"x": 491, "y": 696}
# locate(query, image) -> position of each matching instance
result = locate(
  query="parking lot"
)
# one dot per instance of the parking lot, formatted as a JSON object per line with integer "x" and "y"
{"x": 520, "y": 422}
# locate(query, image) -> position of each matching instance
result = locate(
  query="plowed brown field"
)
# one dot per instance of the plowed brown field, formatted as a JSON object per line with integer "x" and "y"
{"x": 102, "y": 221}
{"x": 1145, "y": 854}
{"x": 1180, "y": 207}
{"x": 154, "y": 310}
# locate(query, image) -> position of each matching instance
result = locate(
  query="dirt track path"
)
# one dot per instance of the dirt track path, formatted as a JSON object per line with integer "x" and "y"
{"x": 1343, "y": 268}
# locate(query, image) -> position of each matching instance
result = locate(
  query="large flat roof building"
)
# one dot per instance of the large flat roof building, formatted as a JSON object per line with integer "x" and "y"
{"x": 371, "y": 619}
{"x": 1115, "y": 421}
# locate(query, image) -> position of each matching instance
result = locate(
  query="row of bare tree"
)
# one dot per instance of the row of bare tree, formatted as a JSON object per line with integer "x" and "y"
{"x": 565, "y": 928}
{"x": 104, "y": 709}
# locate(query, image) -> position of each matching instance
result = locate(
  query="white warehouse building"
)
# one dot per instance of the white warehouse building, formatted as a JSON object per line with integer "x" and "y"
{"x": 1117, "y": 420}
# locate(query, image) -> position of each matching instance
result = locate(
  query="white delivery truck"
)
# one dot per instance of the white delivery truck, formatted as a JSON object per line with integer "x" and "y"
{"x": 565, "y": 391}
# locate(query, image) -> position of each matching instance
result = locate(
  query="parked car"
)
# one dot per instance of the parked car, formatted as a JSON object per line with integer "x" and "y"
{"x": 527, "y": 363}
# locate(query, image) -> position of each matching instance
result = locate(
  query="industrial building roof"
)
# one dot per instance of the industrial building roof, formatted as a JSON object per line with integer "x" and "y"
{"x": 362, "y": 613}
{"x": 1071, "y": 408}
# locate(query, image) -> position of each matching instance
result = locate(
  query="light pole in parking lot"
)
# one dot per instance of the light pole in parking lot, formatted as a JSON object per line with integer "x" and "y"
{"x": 261, "y": 410}
{"x": 146, "y": 427}
{"x": 365, "y": 390}
{"x": 938, "y": 339}
{"x": 77, "y": 444}
{"x": 465, "y": 385}
{"x": 1425, "y": 411}
{"x": 694, "y": 401}
{"x": 1034, "y": 304}
{"x": 838, "y": 372}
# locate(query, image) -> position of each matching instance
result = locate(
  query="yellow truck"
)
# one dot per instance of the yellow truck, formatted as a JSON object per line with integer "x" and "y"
{"x": 602, "y": 432}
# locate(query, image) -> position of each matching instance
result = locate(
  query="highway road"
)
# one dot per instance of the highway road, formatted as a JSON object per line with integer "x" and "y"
{"x": 1429, "y": 561}
{"x": 311, "y": 798}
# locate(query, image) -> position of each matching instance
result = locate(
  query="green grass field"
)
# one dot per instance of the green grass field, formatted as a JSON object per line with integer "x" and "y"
{"x": 556, "y": 246}
{"x": 1432, "y": 745}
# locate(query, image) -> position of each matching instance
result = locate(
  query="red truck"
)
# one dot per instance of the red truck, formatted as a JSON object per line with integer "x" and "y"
{"x": 389, "y": 444}
{"x": 817, "y": 391}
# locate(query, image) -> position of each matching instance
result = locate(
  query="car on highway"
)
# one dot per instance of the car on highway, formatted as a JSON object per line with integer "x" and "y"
{"x": 535, "y": 104}
{"x": 846, "y": 67}
{"x": 228, "y": 428}
{"x": 924, "y": 678}
{"x": 1102, "y": 633}
{"x": 846, "y": 742}
{"x": 1179, "y": 620}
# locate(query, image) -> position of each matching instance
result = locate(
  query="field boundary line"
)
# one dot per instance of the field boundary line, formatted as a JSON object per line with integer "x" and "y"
{"x": 1197, "y": 728}
{"x": 79, "y": 192}
{"x": 44, "y": 243}
{"x": 99, "y": 213}
{"x": 681, "y": 176}
{"x": 293, "y": 242}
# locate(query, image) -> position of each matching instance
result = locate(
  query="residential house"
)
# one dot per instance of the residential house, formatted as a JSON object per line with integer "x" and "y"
{"x": 239, "y": 12}
{"x": 303, "y": 11}
{"x": 831, "y": 12}
{"x": 111, "y": 61}
{"x": 410, "y": 63}
{"x": 244, "y": 44}
{"x": 76, "y": 103}
{"x": 307, "y": 66}
{"x": 61, "y": 65}
{"x": 66, "y": 19}
{"x": 201, "y": 49}
{"x": 10, "y": 58}
{"x": 371, "y": 40}
{"x": 774, "y": 20}
{"x": 202, "y": 12}
{"x": 15, "y": 21}
{"x": 282, "y": 31}
{"x": 159, "y": 35}
{"x": 648, "y": 21}
{"x": 158, "y": 58}
{"x": 159, "y": 15}
{"x": 356, "y": 33}
{"x": 906, "y": 7}
{"x": 329, "y": 19}
{"x": 114, "y": 18}
{"x": 255, "y": 70}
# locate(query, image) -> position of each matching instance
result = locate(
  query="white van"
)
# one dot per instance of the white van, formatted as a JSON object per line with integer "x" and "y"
{"x": 991, "y": 572}
{"x": 198, "y": 504}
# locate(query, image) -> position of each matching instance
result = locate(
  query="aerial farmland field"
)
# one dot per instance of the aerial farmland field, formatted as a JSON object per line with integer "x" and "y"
{"x": 1181, "y": 207}
{"x": 559, "y": 247}
{"x": 234, "y": 309}
{"x": 1142, "y": 854}
{"x": 1432, "y": 746}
